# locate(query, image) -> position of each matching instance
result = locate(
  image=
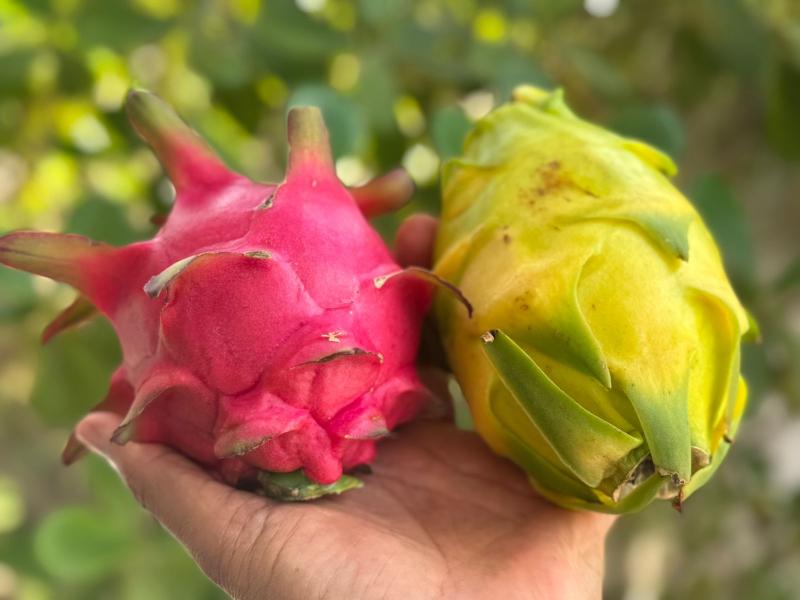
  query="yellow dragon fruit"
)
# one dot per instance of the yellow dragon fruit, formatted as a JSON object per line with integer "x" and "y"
{"x": 603, "y": 356}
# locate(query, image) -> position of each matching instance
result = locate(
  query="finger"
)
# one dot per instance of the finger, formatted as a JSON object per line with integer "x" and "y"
{"x": 197, "y": 509}
{"x": 439, "y": 405}
{"x": 414, "y": 240}
{"x": 384, "y": 194}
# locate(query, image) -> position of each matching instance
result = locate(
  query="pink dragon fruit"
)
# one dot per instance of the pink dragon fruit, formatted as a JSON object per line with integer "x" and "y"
{"x": 263, "y": 329}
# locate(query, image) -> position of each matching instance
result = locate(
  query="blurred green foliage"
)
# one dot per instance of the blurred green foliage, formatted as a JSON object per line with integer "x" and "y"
{"x": 715, "y": 83}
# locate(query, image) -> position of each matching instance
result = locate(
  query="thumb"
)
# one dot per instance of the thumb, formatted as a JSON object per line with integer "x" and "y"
{"x": 415, "y": 239}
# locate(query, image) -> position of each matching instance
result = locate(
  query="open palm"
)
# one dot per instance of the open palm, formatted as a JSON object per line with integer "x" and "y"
{"x": 440, "y": 517}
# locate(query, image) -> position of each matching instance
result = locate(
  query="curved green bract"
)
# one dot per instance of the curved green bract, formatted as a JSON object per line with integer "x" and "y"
{"x": 296, "y": 487}
{"x": 636, "y": 501}
{"x": 664, "y": 418}
{"x": 669, "y": 231}
{"x": 588, "y": 446}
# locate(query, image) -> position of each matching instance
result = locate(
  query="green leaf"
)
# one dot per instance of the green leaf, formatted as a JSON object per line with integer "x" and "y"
{"x": 73, "y": 372}
{"x": 102, "y": 221}
{"x": 80, "y": 545}
{"x": 345, "y": 123}
{"x": 657, "y": 124}
{"x": 449, "y": 127}
{"x": 17, "y": 296}
{"x": 725, "y": 217}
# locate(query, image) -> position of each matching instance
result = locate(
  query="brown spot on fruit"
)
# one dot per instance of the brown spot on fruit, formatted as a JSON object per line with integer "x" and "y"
{"x": 551, "y": 177}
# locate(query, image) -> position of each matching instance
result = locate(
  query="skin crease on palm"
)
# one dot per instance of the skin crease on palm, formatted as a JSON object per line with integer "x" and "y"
{"x": 440, "y": 517}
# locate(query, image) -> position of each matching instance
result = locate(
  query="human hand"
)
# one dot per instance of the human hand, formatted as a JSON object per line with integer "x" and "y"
{"x": 441, "y": 517}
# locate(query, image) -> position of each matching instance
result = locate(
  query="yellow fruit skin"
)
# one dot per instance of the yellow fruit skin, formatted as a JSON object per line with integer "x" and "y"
{"x": 608, "y": 292}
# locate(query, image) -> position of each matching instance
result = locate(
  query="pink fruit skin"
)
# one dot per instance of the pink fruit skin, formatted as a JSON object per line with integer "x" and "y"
{"x": 273, "y": 349}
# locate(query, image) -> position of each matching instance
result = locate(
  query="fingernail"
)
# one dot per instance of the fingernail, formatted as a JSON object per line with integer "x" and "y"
{"x": 95, "y": 430}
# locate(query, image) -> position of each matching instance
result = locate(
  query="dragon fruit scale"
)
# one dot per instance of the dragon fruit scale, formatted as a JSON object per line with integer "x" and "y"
{"x": 267, "y": 332}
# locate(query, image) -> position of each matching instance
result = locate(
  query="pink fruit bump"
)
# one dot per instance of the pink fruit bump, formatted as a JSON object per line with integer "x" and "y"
{"x": 267, "y": 333}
